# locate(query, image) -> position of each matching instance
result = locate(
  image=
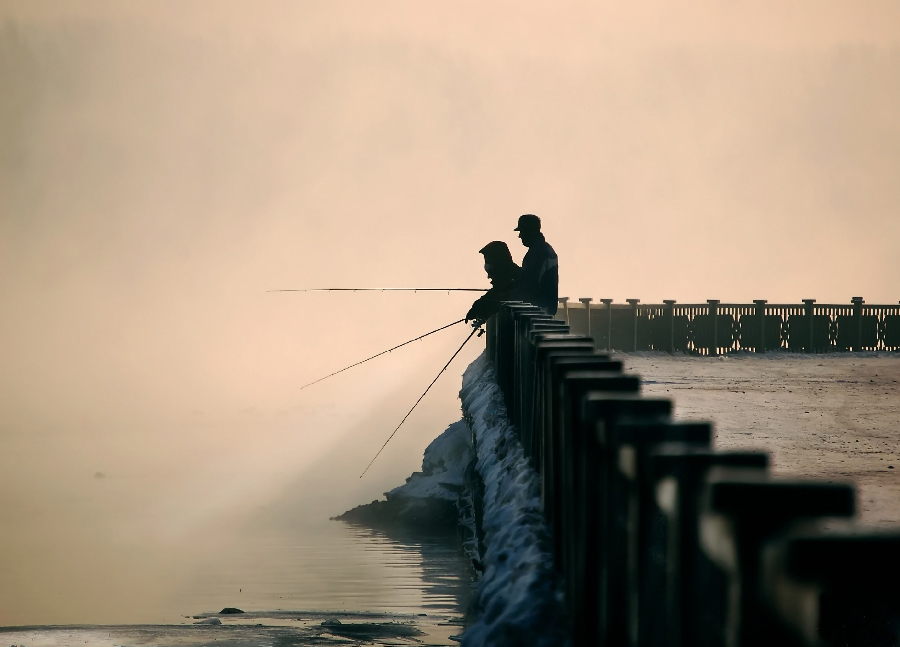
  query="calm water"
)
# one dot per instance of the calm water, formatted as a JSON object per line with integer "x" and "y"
{"x": 131, "y": 515}
{"x": 326, "y": 565}
{"x": 333, "y": 566}
{"x": 290, "y": 582}
{"x": 158, "y": 538}
{"x": 415, "y": 584}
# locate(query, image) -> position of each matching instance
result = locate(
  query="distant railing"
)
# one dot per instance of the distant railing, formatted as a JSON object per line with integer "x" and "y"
{"x": 715, "y": 328}
{"x": 661, "y": 540}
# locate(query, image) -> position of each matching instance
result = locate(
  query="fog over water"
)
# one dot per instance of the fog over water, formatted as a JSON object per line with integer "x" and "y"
{"x": 162, "y": 165}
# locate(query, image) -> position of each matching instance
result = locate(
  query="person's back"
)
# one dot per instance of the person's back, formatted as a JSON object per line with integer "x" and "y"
{"x": 538, "y": 282}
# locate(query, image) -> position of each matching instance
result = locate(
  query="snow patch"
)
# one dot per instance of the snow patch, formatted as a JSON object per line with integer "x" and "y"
{"x": 430, "y": 499}
{"x": 443, "y": 467}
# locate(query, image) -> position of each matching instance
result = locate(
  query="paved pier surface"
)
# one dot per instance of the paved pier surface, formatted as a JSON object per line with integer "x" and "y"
{"x": 833, "y": 416}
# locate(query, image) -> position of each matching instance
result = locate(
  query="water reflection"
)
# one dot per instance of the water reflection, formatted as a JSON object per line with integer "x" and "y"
{"x": 333, "y": 565}
{"x": 445, "y": 574}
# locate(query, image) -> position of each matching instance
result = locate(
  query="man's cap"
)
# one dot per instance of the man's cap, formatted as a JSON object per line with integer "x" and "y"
{"x": 529, "y": 222}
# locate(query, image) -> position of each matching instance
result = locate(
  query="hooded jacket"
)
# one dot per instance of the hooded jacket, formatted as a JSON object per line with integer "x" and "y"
{"x": 503, "y": 285}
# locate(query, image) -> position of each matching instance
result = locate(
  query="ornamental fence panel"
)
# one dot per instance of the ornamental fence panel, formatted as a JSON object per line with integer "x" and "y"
{"x": 715, "y": 328}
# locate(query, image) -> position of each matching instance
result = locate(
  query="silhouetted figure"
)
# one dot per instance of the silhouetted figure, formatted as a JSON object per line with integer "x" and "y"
{"x": 538, "y": 283}
{"x": 503, "y": 273}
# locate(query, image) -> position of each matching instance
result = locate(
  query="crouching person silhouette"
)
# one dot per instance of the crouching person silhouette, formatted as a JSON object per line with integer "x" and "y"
{"x": 504, "y": 275}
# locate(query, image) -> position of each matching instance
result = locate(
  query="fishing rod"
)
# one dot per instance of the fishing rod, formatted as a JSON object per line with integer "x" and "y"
{"x": 383, "y": 290}
{"x": 474, "y": 330}
{"x": 383, "y": 352}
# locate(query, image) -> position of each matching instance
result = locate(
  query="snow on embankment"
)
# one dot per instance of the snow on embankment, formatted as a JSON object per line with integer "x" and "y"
{"x": 518, "y": 601}
{"x": 428, "y": 499}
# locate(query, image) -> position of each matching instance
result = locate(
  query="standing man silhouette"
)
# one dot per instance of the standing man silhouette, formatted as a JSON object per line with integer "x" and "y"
{"x": 538, "y": 283}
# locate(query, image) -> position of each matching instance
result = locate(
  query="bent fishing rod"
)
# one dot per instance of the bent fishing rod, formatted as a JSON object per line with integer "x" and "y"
{"x": 475, "y": 330}
{"x": 383, "y": 352}
{"x": 382, "y": 290}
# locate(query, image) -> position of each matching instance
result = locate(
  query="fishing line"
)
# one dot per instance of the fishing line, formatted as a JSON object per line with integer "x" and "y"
{"x": 384, "y": 290}
{"x": 383, "y": 352}
{"x": 474, "y": 330}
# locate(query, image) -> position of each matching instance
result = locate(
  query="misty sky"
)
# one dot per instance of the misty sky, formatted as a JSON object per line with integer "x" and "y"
{"x": 163, "y": 164}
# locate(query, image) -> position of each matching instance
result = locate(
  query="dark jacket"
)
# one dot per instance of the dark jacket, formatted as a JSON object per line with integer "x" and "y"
{"x": 502, "y": 289}
{"x": 538, "y": 283}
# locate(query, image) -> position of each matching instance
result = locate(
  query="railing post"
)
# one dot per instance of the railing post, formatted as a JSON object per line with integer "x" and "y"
{"x": 809, "y": 313}
{"x": 608, "y": 303}
{"x": 756, "y": 507}
{"x": 761, "y": 313}
{"x": 564, "y": 302}
{"x": 634, "y": 320}
{"x": 714, "y": 317}
{"x": 587, "y": 311}
{"x": 670, "y": 315}
{"x": 857, "y": 317}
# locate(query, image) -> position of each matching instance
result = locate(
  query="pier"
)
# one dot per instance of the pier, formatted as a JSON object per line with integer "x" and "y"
{"x": 657, "y": 538}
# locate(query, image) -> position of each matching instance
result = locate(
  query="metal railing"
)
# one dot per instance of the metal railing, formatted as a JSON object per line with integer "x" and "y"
{"x": 714, "y": 328}
{"x": 660, "y": 540}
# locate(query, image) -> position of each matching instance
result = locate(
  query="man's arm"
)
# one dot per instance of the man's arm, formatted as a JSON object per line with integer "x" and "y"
{"x": 549, "y": 286}
{"x": 538, "y": 283}
{"x": 484, "y": 307}
{"x": 526, "y": 287}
